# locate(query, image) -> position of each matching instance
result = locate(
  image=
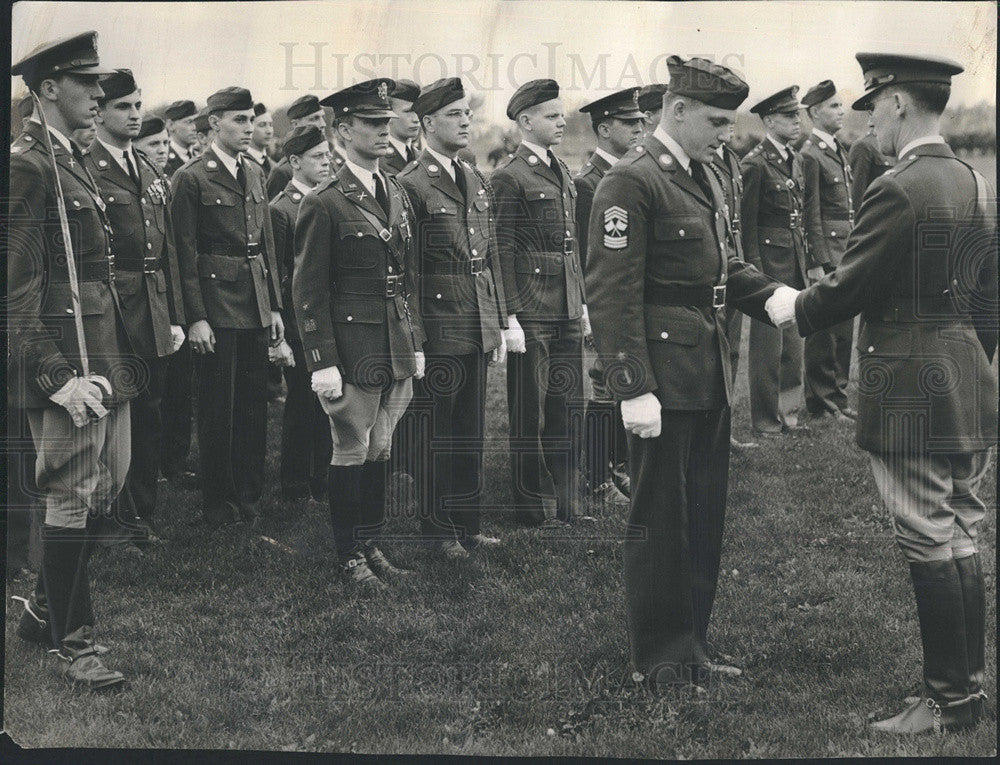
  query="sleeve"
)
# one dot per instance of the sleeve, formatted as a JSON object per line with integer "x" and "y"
{"x": 860, "y": 160}
{"x": 616, "y": 269}
{"x": 817, "y": 253}
{"x": 584, "y": 201}
{"x": 510, "y": 211}
{"x": 749, "y": 203}
{"x": 175, "y": 296}
{"x": 494, "y": 253}
{"x": 412, "y": 274}
{"x": 271, "y": 258}
{"x": 184, "y": 209}
{"x": 277, "y": 179}
{"x": 311, "y": 283}
{"x": 281, "y": 230}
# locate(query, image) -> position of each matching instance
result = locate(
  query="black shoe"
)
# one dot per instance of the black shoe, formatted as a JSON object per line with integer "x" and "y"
{"x": 80, "y": 663}
{"x": 381, "y": 566}
{"x": 355, "y": 572}
{"x": 849, "y": 413}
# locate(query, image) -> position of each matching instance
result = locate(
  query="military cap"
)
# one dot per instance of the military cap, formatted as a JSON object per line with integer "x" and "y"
{"x": 201, "y": 121}
{"x": 25, "y": 106}
{"x": 778, "y": 103}
{"x": 76, "y": 54}
{"x": 151, "y": 125}
{"x": 117, "y": 84}
{"x": 704, "y": 81}
{"x": 437, "y": 95}
{"x": 303, "y": 107}
{"x": 178, "y": 110}
{"x": 624, "y": 105}
{"x": 259, "y": 109}
{"x": 302, "y": 139}
{"x": 817, "y": 94}
{"x": 531, "y": 94}
{"x": 406, "y": 90}
{"x": 368, "y": 99}
{"x": 651, "y": 96}
{"x": 231, "y": 99}
{"x": 884, "y": 69}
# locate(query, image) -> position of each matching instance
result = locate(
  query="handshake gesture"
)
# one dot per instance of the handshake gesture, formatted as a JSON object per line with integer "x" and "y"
{"x": 780, "y": 307}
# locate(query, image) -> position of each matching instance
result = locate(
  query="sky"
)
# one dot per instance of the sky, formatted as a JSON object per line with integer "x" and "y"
{"x": 281, "y": 50}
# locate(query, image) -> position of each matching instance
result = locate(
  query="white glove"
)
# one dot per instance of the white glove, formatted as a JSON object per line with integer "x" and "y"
{"x": 641, "y": 415}
{"x": 281, "y": 355}
{"x": 421, "y": 363}
{"x": 514, "y": 335}
{"x": 814, "y": 274}
{"x": 176, "y": 336}
{"x": 780, "y": 306}
{"x": 328, "y": 383}
{"x": 499, "y": 353}
{"x": 587, "y": 329}
{"x": 82, "y": 398}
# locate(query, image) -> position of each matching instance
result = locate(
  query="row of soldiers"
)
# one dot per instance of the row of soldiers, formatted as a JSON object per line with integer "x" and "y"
{"x": 391, "y": 280}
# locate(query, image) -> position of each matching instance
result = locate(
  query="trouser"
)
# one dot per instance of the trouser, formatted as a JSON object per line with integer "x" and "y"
{"x": 450, "y": 481}
{"x": 673, "y": 545}
{"x": 545, "y": 404}
{"x": 147, "y": 433}
{"x": 22, "y": 493}
{"x": 232, "y": 420}
{"x": 827, "y": 367}
{"x": 734, "y": 333}
{"x": 775, "y": 369}
{"x": 175, "y": 410}
{"x": 305, "y": 433}
{"x": 605, "y": 443}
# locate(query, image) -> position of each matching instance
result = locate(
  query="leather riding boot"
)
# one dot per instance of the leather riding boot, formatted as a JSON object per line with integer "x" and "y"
{"x": 67, "y": 585}
{"x": 344, "y": 500}
{"x": 81, "y": 664}
{"x": 970, "y": 572}
{"x": 374, "y": 478}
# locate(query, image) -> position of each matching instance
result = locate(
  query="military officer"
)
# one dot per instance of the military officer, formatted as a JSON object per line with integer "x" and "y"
{"x": 304, "y": 111}
{"x": 67, "y": 343}
{"x": 921, "y": 268}
{"x": 222, "y": 230}
{"x": 659, "y": 273}
{"x": 404, "y": 129}
{"x": 153, "y": 140}
{"x": 651, "y": 103}
{"x": 179, "y": 118}
{"x": 536, "y": 231}
{"x": 263, "y": 134}
{"x": 773, "y": 241}
{"x": 305, "y": 429}
{"x": 463, "y": 310}
{"x": 136, "y": 194}
{"x": 354, "y": 293}
{"x": 829, "y": 215}
{"x": 618, "y": 122}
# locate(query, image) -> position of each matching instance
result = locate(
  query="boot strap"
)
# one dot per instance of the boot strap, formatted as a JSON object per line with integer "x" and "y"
{"x": 936, "y": 708}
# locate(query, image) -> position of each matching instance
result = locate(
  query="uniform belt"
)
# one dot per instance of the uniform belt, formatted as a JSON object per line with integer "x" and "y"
{"x": 235, "y": 250}
{"x": 91, "y": 271}
{"x": 697, "y": 297}
{"x": 388, "y": 287}
{"x": 792, "y": 220}
{"x": 917, "y": 310}
{"x": 472, "y": 266}
{"x": 146, "y": 265}
{"x": 569, "y": 245}
{"x": 837, "y": 215}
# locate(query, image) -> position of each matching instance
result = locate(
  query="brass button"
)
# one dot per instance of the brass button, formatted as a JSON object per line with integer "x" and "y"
{"x": 475, "y": 252}
{"x": 149, "y": 245}
{"x": 438, "y": 296}
{"x": 147, "y": 222}
{"x": 350, "y": 318}
{"x": 767, "y": 241}
{"x": 390, "y": 269}
{"x": 680, "y": 233}
{"x": 871, "y": 348}
{"x": 664, "y": 335}
{"x": 212, "y": 276}
{"x": 218, "y": 201}
{"x": 538, "y": 270}
{"x": 69, "y": 310}
{"x": 472, "y": 230}
{"x": 111, "y": 199}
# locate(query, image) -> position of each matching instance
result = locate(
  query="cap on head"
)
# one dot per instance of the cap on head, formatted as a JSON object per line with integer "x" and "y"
{"x": 76, "y": 54}
{"x": 151, "y": 125}
{"x": 651, "y": 96}
{"x": 201, "y": 121}
{"x": 712, "y": 84}
{"x": 785, "y": 100}
{"x": 302, "y": 139}
{"x": 178, "y": 110}
{"x": 884, "y": 69}
{"x": 259, "y": 109}
{"x": 437, "y": 95}
{"x": 369, "y": 99}
{"x": 117, "y": 84}
{"x": 303, "y": 106}
{"x": 623, "y": 105}
{"x": 405, "y": 90}
{"x": 531, "y": 94}
{"x": 817, "y": 94}
{"x": 231, "y": 99}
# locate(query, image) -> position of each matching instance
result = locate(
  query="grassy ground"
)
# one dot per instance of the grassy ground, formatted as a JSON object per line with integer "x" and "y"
{"x": 231, "y": 641}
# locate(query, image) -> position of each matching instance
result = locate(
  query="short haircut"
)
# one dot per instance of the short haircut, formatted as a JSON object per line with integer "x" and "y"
{"x": 928, "y": 96}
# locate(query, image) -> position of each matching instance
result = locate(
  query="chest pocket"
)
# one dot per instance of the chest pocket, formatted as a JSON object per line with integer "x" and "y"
{"x": 543, "y": 205}
{"x": 154, "y": 207}
{"x": 258, "y": 205}
{"x": 360, "y": 248}
{"x": 218, "y": 198}
{"x": 118, "y": 198}
{"x": 778, "y": 192}
{"x": 86, "y": 228}
{"x": 677, "y": 230}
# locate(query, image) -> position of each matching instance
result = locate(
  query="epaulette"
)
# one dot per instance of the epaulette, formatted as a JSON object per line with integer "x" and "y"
{"x": 22, "y": 143}
{"x": 505, "y": 161}
{"x": 333, "y": 180}
{"x": 902, "y": 165}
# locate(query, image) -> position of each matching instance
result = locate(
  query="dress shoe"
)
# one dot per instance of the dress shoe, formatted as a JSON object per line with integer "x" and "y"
{"x": 452, "y": 550}
{"x": 355, "y": 572}
{"x": 608, "y": 494}
{"x": 381, "y": 566}
{"x": 477, "y": 541}
{"x": 925, "y": 716}
{"x": 81, "y": 663}
{"x": 849, "y": 413}
{"x": 34, "y": 625}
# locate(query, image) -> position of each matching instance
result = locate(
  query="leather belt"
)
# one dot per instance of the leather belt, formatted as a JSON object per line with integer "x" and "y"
{"x": 235, "y": 250}
{"x": 388, "y": 287}
{"x": 837, "y": 216}
{"x": 568, "y": 245}
{"x": 472, "y": 266}
{"x": 926, "y": 309}
{"x": 146, "y": 265}
{"x": 791, "y": 221}
{"x": 697, "y": 297}
{"x": 90, "y": 271}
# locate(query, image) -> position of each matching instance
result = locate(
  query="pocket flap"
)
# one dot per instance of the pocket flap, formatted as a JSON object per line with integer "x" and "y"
{"x": 355, "y": 228}
{"x": 774, "y": 237}
{"x": 95, "y": 298}
{"x": 672, "y": 324}
{"x": 677, "y": 229}
{"x": 218, "y": 198}
{"x": 219, "y": 267}
{"x": 118, "y": 197}
{"x": 538, "y": 266}
{"x": 541, "y": 194}
{"x": 357, "y": 312}
{"x": 481, "y": 204}
{"x": 128, "y": 282}
{"x": 837, "y": 229}
{"x": 441, "y": 207}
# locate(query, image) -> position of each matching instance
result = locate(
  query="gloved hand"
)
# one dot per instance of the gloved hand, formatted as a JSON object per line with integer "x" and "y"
{"x": 421, "y": 364}
{"x": 588, "y": 331}
{"x": 281, "y": 355}
{"x": 514, "y": 335}
{"x": 500, "y": 352}
{"x": 83, "y": 398}
{"x": 328, "y": 383}
{"x": 176, "y": 336}
{"x": 815, "y": 273}
{"x": 780, "y": 307}
{"x": 641, "y": 415}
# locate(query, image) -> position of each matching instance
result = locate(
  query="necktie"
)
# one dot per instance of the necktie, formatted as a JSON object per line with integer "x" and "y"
{"x": 410, "y": 154}
{"x": 698, "y": 173}
{"x": 241, "y": 175}
{"x": 380, "y": 195}
{"x": 459, "y": 177}
{"x": 791, "y": 159}
{"x": 554, "y": 164}
{"x": 131, "y": 168}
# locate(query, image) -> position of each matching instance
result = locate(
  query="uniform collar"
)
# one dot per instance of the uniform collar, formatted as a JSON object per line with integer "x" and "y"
{"x": 66, "y": 143}
{"x": 919, "y": 142}
{"x": 445, "y": 162}
{"x": 782, "y": 149}
{"x": 301, "y": 186}
{"x": 398, "y": 145}
{"x": 608, "y": 157}
{"x": 542, "y": 152}
{"x": 824, "y": 136}
{"x": 663, "y": 137}
{"x": 367, "y": 177}
{"x": 256, "y": 155}
{"x": 116, "y": 153}
{"x": 230, "y": 163}
{"x": 179, "y": 150}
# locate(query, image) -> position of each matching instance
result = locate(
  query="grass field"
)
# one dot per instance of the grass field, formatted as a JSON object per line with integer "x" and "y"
{"x": 233, "y": 642}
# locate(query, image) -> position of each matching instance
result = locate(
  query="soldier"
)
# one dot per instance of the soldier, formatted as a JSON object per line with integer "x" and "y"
{"x": 463, "y": 311}
{"x": 536, "y": 231}
{"x": 353, "y": 288}
{"x": 179, "y": 118}
{"x": 203, "y": 132}
{"x": 773, "y": 241}
{"x": 618, "y": 123}
{"x": 222, "y": 229}
{"x": 146, "y": 277}
{"x": 658, "y": 274}
{"x": 867, "y": 163}
{"x": 305, "y": 429}
{"x": 153, "y": 140}
{"x": 921, "y": 268}
{"x": 84, "y": 137}
{"x": 263, "y": 135}
{"x": 304, "y": 111}
{"x": 829, "y": 216}
{"x": 404, "y": 129}
{"x": 651, "y": 103}
{"x": 67, "y": 341}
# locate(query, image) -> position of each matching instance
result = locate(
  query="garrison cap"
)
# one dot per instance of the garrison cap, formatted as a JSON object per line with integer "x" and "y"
{"x": 651, "y": 96}
{"x": 712, "y": 84}
{"x": 438, "y": 94}
{"x": 201, "y": 121}
{"x": 531, "y": 94}
{"x": 406, "y": 90}
{"x": 25, "y": 106}
{"x": 117, "y": 84}
{"x": 151, "y": 125}
{"x": 624, "y": 105}
{"x": 303, "y": 106}
{"x": 178, "y": 110}
{"x": 783, "y": 101}
{"x": 76, "y": 54}
{"x": 259, "y": 109}
{"x": 231, "y": 99}
{"x": 817, "y": 94}
{"x": 302, "y": 139}
{"x": 883, "y": 69}
{"x": 368, "y": 99}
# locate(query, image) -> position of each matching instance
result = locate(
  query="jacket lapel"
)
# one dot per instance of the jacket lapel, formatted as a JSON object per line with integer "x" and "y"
{"x": 355, "y": 190}
{"x": 678, "y": 175}
{"x": 218, "y": 173}
{"x": 110, "y": 170}
{"x": 775, "y": 159}
{"x": 440, "y": 178}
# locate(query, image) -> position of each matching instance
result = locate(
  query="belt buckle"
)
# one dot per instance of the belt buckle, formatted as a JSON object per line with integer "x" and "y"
{"x": 390, "y": 285}
{"x": 568, "y": 245}
{"x": 385, "y": 235}
{"x": 719, "y": 296}
{"x": 476, "y": 265}
{"x": 793, "y": 219}
{"x": 149, "y": 265}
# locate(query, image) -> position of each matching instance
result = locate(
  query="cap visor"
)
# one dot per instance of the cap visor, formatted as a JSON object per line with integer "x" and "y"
{"x": 97, "y": 69}
{"x": 376, "y": 114}
{"x": 864, "y": 103}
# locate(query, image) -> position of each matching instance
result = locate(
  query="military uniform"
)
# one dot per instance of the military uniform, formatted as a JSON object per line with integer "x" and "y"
{"x": 176, "y": 154}
{"x": 774, "y": 242}
{"x": 867, "y": 163}
{"x": 659, "y": 274}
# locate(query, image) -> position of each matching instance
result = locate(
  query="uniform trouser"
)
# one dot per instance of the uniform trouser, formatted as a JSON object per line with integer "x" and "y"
{"x": 673, "y": 545}
{"x": 775, "y": 369}
{"x": 176, "y": 409}
{"x": 934, "y": 501}
{"x": 305, "y": 433}
{"x": 734, "y": 333}
{"x": 22, "y": 493}
{"x": 545, "y": 404}
{"x": 828, "y": 365}
{"x": 450, "y": 480}
{"x": 147, "y": 432}
{"x": 232, "y": 419}
{"x": 605, "y": 443}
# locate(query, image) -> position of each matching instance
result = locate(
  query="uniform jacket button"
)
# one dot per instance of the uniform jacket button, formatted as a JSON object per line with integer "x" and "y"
{"x": 871, "y": 348}
{"x": 664, "y": 335}
{"x": 218, "y": 201}
{"x": 69, "y": 310}
{"x": 438, "y": 296}
{"x": 149, "y": 245}
{"x": 147, "y": 222}
{"x": 681, "y": 232}
{"x": 212, "y": 276}
{"x": 767, "y": 241}
{"x": 538, "y": 270}
{"x": 475, "y": 252}
{"x": 390, "y": 269}
{"x": 472, "y": 230}
{"x": 350, "y": 318}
